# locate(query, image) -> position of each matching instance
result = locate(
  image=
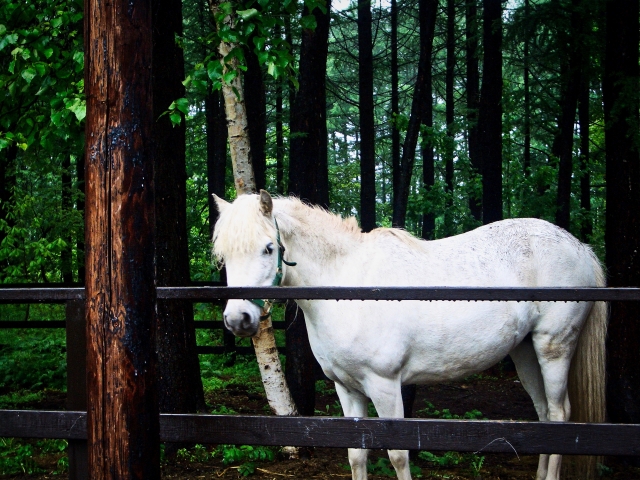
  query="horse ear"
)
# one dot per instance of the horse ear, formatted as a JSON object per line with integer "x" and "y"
{"x": 266, "y": 204}
{"x": 220, "y": 203}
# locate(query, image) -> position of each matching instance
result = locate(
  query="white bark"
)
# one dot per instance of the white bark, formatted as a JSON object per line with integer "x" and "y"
{"x": 275, "y": 385}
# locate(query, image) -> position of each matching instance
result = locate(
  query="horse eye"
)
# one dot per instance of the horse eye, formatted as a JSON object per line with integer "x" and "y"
{"x": 268, "y": 249}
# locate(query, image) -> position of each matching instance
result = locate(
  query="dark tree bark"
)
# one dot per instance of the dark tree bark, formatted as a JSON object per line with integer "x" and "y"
{"x": 562, "y": 147}
{"x": 473, "y": 98}
{"x": 256, "y": 103}
{"x": 279, "y": 132}
{"x": 449, "y": 114}
{"x": 526, "y": 162}
{"x": 216, "y": 152}
{"x": 308, "y": 168}
{"x": 80, "y": 207}
{"x": 7, "y": 182}
{"x": 309, "y": 180}
{"x": 430, "y": 9}
{"x": 490, "y": 113}
{"x": 367, "y": 126}
{"x": 66, "y": 203}
{"x": 123, "y": 430}
{"x": 622, "y": 234}
{"x": 586, "y": 228}
{"x": 178, "y": 366}
{"x": 395, "y": 109}
{"x": 216, "y": 172}
{"x": 427, "y": 15}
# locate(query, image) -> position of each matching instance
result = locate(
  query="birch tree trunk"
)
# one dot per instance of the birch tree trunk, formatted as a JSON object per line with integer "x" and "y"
{"x": 275, "y": 386}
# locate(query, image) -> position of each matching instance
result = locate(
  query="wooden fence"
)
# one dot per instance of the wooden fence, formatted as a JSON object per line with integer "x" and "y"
{"x": 434, "y": 435}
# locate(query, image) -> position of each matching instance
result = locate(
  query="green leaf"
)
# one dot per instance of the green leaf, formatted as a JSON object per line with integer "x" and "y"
{"x": 259, "y": 42}
{"x": 175, "y": 118}
{"x": 78, "y": 57}
{"x": 182, "y": 104}
{"x": 214, "y": 70}
{"x": 10, "y": 39}
{"x": 308, "y": 22}
{"x": 78, "y": 107}
{"x": 48, "y": 52}
{"x": 247, "y": 14}
{"x": 28, "y": 74}
{"x": 229, "y": 76}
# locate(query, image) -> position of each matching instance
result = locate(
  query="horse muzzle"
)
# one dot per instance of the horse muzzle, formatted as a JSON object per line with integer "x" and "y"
{"x": 241, "y": 318}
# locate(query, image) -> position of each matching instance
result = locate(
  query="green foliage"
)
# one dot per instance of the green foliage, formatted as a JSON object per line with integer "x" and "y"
{"x": 454, "y": 459}
{"x": 445, "y": 413}
{"x": 32, "y": 359}
{"x": 198, "y": 453}
{"x": 20, "y": 457}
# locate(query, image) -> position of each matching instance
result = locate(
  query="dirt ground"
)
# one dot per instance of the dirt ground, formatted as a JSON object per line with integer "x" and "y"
{"x": 497, "y": 396}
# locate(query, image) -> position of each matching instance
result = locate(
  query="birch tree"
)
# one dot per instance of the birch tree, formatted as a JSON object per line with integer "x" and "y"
{"x": 275, "y": 386}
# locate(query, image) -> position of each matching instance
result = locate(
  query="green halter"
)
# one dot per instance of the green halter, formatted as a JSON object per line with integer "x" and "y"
{"x": 266, "y": 304}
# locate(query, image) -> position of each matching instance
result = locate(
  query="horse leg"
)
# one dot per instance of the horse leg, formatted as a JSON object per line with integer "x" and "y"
{"x": 387, "y": 398}
{"x": 555, "y": 360}
{"x": 354, "y": 404}
{"x": 526, "y": 362}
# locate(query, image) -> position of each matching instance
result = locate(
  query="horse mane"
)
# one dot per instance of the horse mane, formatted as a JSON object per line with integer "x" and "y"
{"x": 242, "y": 225}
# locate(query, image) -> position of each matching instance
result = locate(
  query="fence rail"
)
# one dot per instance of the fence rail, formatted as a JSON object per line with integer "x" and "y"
{"x": 208, "y": 294}
{"x": 374, "y": 433}
{"x": 478, "y": 436}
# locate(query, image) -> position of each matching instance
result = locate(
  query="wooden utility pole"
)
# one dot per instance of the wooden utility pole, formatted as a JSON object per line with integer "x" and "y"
{"x": 122, "y": 417}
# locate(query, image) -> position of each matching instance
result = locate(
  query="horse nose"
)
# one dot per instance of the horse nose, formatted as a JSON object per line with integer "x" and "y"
{"x": 245, "y": 323}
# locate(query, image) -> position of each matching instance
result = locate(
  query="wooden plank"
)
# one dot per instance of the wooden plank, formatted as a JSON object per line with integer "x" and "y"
{"x": 211, "y": 294}
{"x": 122, "y": 420}
{"x": 403, "y": 293}
{"x": 338, "y": 432}
{"x": 40, "y": 295}
{"x": 76, "y": 383}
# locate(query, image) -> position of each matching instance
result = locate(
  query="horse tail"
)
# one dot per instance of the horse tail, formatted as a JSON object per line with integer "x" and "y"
{"x": 587, "y": 376}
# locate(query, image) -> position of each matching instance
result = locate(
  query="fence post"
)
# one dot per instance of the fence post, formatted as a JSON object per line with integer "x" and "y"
{"x": 76, "y": 382}
{"x": 122, "y": 415}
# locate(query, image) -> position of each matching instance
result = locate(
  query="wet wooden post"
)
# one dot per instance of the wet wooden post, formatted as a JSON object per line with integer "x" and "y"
{"x": 122, "y": 419}
{"x": 76, "y": 382}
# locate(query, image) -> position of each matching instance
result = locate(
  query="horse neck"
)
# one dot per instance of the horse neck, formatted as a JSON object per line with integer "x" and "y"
{"x": 316, "y": 242}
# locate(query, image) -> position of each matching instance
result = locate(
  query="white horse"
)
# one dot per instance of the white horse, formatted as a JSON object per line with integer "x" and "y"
{"x": 370, "y": 349}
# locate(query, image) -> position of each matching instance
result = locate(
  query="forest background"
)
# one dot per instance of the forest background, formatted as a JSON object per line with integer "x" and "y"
{"x": 434, "y": 116}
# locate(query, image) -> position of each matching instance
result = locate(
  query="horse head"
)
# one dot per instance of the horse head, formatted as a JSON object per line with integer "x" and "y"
{"x": 246, "y": 241}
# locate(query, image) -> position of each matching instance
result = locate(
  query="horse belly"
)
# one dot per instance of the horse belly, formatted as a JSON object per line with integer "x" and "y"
{"x": 457, "y": 339}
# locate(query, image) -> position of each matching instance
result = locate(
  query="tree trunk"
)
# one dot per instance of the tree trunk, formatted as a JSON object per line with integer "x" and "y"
{"x": 123, "y": 431}
{"x": 273, "y": 379}
{"x": 8, "y": 158}
{"x": 490, "y": 113}
{"x": 180, "y": 385}
{"x": 367, "y": 126}
{"x": 430, "y": 7}
{"x": 526, "y": 162}
{"x": 80, "y": 207}
{"x": 450, "y": 110}
{"x": 473, "y": 97}
{"x": 309, "y": 180}
{"x": 586, "y": 229}
{"x": 235, "y": 109}
{"x": 427, "y": 16}
{"x": 279, "y": 133}
{"x": 256, "y": 104}
{"x": 395, "y": 109}
{"x": 622, "y": 234}
{"x": 66, "y": 202}
{"x": 308, "y": 167}
{"x": 562, "y": 147}
{"x": 216, "y": 174}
